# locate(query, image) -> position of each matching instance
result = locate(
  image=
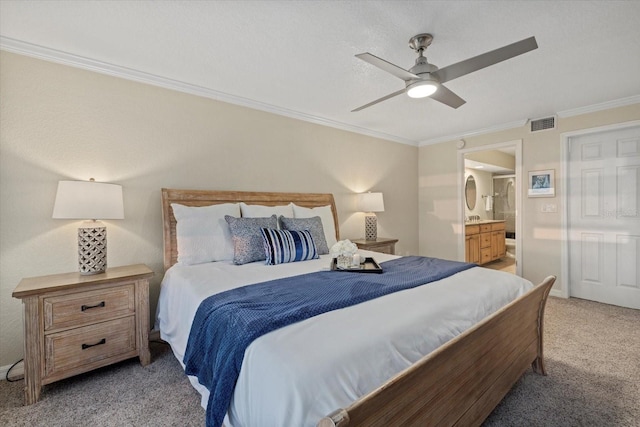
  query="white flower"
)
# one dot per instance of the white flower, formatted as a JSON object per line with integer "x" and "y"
{"x": 343, "y": 247}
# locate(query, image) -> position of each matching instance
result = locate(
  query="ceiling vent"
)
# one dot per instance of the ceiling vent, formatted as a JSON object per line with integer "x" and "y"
{"x": 546, "y": 123}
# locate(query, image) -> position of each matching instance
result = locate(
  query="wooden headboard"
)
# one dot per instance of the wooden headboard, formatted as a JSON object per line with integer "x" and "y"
{"x": 207, "y": 198}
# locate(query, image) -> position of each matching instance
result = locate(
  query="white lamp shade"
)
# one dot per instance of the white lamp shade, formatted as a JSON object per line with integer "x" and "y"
{"x": 370, "y": 202}
{"x": 88, "y": 200}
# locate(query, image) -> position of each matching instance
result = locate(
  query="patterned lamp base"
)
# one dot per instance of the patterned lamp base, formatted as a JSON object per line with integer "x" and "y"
{"x": 92, "y": 250}
{"x": 371, "y": 227}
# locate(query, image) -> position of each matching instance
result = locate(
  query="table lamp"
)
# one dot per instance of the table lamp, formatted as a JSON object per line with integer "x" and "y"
{"x": 370, "y": 203}
{"x": 90, "y": 201}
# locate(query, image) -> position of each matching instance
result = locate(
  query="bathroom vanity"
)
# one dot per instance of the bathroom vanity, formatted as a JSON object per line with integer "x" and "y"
{"x": 484, "y": 241}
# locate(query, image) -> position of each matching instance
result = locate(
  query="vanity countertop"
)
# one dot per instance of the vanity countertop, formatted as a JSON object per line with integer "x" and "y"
{"x": 483, "y": 221}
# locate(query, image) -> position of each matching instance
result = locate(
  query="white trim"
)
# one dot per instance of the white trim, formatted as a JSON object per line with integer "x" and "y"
{"x": 519, "y": 196}
{"x": 565, "y": 139}
{"x": 599, "y": 107}
{"x": 52, "y": 55}
{"x": 605, "y": 128}
{"x": 556, "y": 293}
{"x": 491, "y": 129}
{"x": 461, "y": 203}
{"x": 564, "y": 219}
{"x": 520, "y": 123}
{"x": 24, "y": 48}
{"x": 16, "y": 372}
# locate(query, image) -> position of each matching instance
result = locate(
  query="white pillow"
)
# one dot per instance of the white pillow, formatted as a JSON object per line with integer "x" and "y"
{"x": 202, "y": 233}
{"x": 325, "y": 214}
{"x": 261, "y": 211}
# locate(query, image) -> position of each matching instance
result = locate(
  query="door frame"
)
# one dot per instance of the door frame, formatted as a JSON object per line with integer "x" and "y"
{"x": 565, "y": 138}
{"x": 517, "y": 144}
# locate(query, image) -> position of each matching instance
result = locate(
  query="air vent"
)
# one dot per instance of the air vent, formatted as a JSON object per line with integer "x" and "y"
{"x": 543, "y": 124}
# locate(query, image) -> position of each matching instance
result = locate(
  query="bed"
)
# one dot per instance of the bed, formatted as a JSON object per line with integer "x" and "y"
{"x": 333, "y": 369}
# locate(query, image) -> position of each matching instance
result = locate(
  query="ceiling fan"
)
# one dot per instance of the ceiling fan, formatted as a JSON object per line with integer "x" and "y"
{"x": 424, "y": 79}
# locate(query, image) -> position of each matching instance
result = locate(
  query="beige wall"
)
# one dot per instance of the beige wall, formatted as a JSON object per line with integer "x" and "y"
{"x": 493, "y": 157}
{"x": 59, "y": 122}
{"x": 440, "y": 200}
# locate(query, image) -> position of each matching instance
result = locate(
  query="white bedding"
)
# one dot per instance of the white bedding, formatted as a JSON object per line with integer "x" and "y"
{"x": 298, "y": 374}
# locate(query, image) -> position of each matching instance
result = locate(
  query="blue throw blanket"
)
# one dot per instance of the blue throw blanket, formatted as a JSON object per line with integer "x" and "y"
{"x": 226, "y": 323}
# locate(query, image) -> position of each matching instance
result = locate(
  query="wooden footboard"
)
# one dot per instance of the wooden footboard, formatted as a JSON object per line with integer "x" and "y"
{"x": 461, "y": 382}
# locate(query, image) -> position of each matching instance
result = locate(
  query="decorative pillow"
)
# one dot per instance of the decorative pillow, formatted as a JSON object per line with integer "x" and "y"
{"x": 202, "y": 235}
{"x": 282, "y": 246}
{"x": 247, "y": 239}
{"x": 261, "y": 211}
{"x": 314, "y": 225}
{"x": 324, "y": 212}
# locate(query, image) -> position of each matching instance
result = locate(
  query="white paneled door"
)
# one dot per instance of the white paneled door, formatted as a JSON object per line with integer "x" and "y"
{"x": 604, "y": 217}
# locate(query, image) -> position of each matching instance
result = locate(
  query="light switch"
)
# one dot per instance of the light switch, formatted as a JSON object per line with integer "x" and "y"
{"x": 549, "y": 208}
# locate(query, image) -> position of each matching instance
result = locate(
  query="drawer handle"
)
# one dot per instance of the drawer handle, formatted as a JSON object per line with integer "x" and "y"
{"x": 102, "y": 341}
{"x": 87, "y": 307}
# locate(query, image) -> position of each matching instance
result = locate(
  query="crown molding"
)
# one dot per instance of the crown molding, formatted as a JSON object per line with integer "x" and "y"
{"x": 28, "y": 49}
{"x": 491, "y": 129}
{"x": 562, "y": 114}
{"x": 52, "y": 55}
{"x": 599, "y": 107}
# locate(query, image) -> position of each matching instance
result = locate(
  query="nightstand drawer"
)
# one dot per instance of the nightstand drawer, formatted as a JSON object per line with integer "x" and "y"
{"x": 84, "y": 308}
{"x": 383, "y": 249}
{"x": 82, "y": 346}
{"x": 382, "y": 245}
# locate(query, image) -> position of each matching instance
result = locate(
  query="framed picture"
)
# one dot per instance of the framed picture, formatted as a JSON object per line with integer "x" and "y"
{"x": 542, "y": 183}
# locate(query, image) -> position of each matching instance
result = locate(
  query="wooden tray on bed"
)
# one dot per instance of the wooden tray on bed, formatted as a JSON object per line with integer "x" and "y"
{"x": 368, "y": 266}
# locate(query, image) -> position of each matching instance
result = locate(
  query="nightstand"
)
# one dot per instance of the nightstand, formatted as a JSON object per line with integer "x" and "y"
{"x": 386, "y": 246}
{"x": 75, "y": 323}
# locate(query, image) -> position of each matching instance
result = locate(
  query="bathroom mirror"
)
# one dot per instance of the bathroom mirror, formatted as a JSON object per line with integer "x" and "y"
{"x": 470, "y": 192}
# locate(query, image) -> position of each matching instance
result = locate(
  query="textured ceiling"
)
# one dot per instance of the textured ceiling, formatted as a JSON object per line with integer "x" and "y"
{"x": 297, "y": 57}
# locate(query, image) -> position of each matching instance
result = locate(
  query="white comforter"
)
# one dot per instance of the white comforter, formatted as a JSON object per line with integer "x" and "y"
{"x": 298, "y": 374}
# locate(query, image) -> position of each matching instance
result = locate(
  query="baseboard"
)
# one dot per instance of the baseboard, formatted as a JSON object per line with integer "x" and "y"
{"x": 16, "y": 373}
{"x": 556, "y": 293}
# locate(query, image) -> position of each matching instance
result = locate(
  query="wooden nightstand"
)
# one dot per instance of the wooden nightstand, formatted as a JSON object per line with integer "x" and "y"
{"x": 75, "y": 323}
{"x": 386, "y": 246}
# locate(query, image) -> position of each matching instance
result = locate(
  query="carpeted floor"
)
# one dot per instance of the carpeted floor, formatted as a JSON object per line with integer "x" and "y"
{"x": 592, "y": 358}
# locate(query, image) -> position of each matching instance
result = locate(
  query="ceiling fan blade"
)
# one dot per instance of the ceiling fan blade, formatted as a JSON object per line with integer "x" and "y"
{"x": 387, "y": 66}
{"x": 384, "y": 98}
{"x": 447, "y": 97}
{"x": 481, "y": 61}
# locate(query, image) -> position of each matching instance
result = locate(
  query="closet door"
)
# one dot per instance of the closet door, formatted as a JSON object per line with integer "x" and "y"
{"x": 604, "y": 217}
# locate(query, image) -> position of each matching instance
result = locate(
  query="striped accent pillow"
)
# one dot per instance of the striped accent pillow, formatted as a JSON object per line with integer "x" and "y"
{"x": 282, "y": 246}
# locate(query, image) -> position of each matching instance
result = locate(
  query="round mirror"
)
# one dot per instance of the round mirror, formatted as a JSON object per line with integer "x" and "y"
{"x": 511, "y": 194}
{"x": 470, "y": 192}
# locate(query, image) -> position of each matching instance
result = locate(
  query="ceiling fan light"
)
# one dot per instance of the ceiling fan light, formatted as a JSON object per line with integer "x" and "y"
{"x": 422, "y": 89}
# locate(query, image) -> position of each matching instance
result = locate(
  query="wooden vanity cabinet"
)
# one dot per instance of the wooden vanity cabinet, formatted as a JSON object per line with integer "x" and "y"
{"x": 472, "y": 244}
{"x": 484, "y": 242}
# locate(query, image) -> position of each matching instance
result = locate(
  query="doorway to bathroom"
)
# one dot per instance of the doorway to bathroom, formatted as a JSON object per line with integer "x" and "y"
{"x": 494, "y": 173}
